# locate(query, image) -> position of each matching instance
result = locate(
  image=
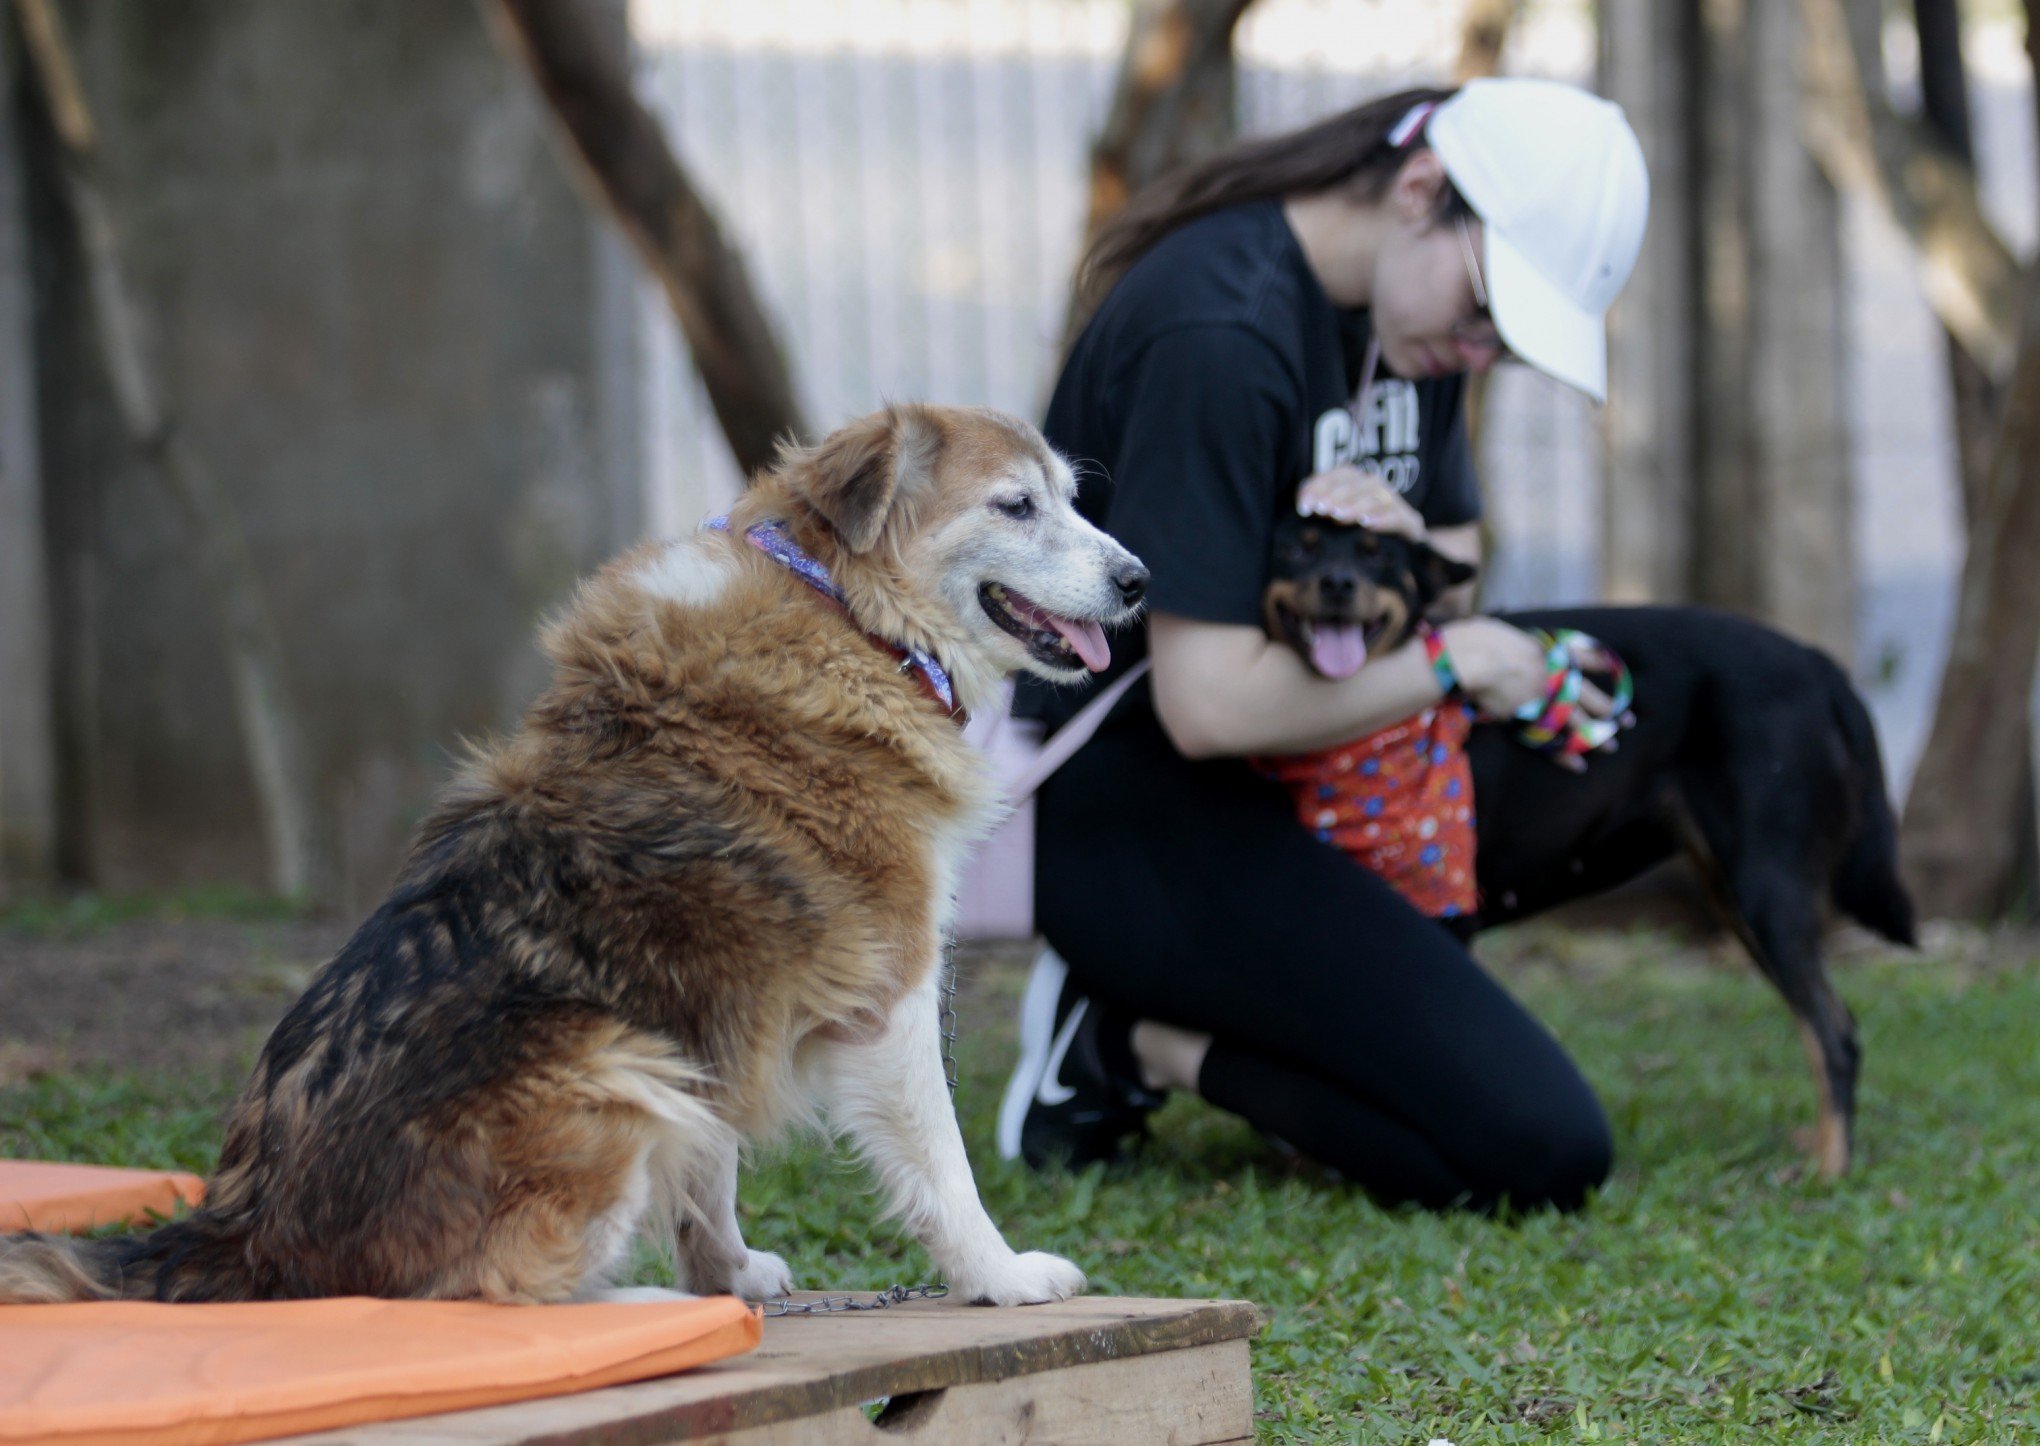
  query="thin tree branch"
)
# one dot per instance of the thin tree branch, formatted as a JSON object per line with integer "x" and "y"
{"x": 1172, "y": 103}
{"x": 1969, "y": 275}
{"x": 582, "y": 64}
{"x": 1482, "y": 33}
{"x": 1171, "y": 106}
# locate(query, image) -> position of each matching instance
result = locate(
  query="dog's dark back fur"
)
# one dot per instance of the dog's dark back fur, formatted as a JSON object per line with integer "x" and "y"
{"x": 1732, "y": 718}
{"x": 492, "y": 969}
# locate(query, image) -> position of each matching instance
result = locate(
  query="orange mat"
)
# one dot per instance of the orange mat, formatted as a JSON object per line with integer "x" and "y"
{"x": 35, "y": 1195}
{"x": 146, "y": 1373}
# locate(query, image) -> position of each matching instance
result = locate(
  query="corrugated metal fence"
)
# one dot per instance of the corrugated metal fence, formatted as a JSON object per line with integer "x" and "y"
{"x": 907, "y": 178}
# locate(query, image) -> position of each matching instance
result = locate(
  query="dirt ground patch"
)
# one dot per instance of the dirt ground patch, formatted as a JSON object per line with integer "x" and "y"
{"x": 193, "y": 995}
{"x": 199, "y": 996}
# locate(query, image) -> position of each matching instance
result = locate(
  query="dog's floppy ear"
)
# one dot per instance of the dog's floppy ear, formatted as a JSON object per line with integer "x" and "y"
{"x": 1439, "y": 573}
{"x": 862, "y": 471}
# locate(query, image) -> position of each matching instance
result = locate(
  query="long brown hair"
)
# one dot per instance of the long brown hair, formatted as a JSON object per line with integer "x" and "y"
{"x": 1350, "y": 147}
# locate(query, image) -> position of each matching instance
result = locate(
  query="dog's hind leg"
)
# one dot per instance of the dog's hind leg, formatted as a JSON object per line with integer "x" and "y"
{"x": 1778, "y": 918}
{"x": 584, "y": 1150}
{"x": 1760, "y": 861}
{"x": 709, "y": 1251}
{"x": 889, "y": 1094}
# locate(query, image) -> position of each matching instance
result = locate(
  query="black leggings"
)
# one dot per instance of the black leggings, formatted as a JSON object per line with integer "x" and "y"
{"x": 1342, "y": 1020}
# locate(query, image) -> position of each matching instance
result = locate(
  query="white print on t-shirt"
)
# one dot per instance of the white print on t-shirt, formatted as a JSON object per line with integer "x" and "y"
{"x": 1383, "y": 439}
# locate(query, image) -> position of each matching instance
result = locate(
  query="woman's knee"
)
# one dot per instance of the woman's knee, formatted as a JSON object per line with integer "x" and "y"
{"x": 1553, "y": 1163}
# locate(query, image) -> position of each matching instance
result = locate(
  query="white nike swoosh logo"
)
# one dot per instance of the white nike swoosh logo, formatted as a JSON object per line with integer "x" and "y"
{"x": 1052, "y": 1090}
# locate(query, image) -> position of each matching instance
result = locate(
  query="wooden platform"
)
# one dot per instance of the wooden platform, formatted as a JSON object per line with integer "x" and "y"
{"x": 1097, "y": 1369}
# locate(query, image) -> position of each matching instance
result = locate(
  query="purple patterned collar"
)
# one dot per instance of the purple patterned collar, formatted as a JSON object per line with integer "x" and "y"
{"x": 772, "y": 539}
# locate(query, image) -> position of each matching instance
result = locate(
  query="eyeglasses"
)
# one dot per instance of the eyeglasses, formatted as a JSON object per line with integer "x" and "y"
{"x": 1479, "y": 329}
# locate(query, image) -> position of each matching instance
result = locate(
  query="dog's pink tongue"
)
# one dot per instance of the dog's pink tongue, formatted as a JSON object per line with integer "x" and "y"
{"x": 1337, "y": 649}
{"x": 1087, "y": 638}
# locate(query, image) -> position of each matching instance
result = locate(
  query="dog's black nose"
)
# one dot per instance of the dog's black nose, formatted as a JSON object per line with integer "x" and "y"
{"x": 1338, "y": 588}
{"x": 1132, "y": 582}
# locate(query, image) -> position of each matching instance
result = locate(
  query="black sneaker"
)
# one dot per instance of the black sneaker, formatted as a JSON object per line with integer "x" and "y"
{"x": 1075, "y": 1095}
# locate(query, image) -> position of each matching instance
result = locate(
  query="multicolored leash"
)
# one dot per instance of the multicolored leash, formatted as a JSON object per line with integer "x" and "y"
{"x": 1556, "y": 723}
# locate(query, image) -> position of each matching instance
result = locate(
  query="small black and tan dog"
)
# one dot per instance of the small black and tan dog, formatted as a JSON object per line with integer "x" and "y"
{"x": 1749, "y": 753}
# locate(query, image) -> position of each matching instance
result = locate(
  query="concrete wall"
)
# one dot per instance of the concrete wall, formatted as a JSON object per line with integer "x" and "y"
{"x": 386, "y": 320}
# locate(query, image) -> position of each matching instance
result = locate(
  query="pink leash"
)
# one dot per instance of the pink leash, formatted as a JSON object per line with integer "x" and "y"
{"x": 1056, "y": 750}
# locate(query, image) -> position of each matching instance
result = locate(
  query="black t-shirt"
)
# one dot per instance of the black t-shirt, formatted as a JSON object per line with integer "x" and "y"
{"x": 1214, "y": 379}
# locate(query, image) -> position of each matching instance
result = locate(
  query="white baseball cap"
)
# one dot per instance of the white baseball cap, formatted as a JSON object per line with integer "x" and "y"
{"x": 1558, "y": 180}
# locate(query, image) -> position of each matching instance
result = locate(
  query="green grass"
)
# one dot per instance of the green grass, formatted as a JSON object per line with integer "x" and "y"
{"x": 76, "y": 915}
{"x": 1714, "y": 1291}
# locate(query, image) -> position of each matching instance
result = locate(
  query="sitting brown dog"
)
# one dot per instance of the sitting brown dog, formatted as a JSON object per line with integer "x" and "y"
{"x": 698, "y": 894}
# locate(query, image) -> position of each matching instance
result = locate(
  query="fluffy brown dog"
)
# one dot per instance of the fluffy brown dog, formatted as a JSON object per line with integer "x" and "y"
{"x": 699, "y": 894}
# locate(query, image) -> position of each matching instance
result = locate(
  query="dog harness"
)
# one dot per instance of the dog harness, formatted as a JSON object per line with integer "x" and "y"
{"x": 1399, "y": 801}
{"x": 771, "y": 538}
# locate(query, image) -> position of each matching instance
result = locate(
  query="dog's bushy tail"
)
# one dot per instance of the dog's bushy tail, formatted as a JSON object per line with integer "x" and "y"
{"x": 186, "y": 1259}
{"x": 1867, "y": 885}
{"x": 52, "y": 1269}
{"x": 39, "y": 1269}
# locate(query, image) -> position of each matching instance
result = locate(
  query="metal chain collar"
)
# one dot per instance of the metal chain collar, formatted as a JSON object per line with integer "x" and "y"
{"x": 893, "y": 1294}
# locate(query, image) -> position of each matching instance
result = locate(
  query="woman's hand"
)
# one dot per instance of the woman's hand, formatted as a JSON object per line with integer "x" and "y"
{"x": 1502, "y": 668}
{"x": 1347, "y": 494}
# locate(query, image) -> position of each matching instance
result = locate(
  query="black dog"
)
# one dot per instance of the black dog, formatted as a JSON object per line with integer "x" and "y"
{"x": 1749, "y": 752}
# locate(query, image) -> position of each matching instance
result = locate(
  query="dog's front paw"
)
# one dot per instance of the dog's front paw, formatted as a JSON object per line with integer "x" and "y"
{"x": 764, "y": 1276}
{"x": 1031, "y": 1279}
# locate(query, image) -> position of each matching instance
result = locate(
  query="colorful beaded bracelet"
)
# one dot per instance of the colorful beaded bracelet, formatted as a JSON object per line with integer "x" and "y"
{"x": 1555, "y": 723}
{"x": 1441, "y": 661}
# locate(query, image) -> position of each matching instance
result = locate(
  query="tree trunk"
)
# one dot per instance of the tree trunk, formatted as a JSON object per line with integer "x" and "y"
{"x": 299, "y": 835}
{"x": 1977, "y": 400}
{"x": 1944, "y": 96}
{"x": 1772, "y": 527}
{"x": 1966, "y": 814}
{"x": 1173, "y": 103}
{"x": 1172, "y": 106}
{"x": 1649, "y": 65}
{"x": 1966, "y": 842}
{"x": 581, "y": 60}
{"x": 1727, "y": 475}
{"x": 1483, "y": 32}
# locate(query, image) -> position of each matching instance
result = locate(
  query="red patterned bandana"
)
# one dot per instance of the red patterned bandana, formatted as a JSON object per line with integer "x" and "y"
{"x": 1399, "y": 801}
